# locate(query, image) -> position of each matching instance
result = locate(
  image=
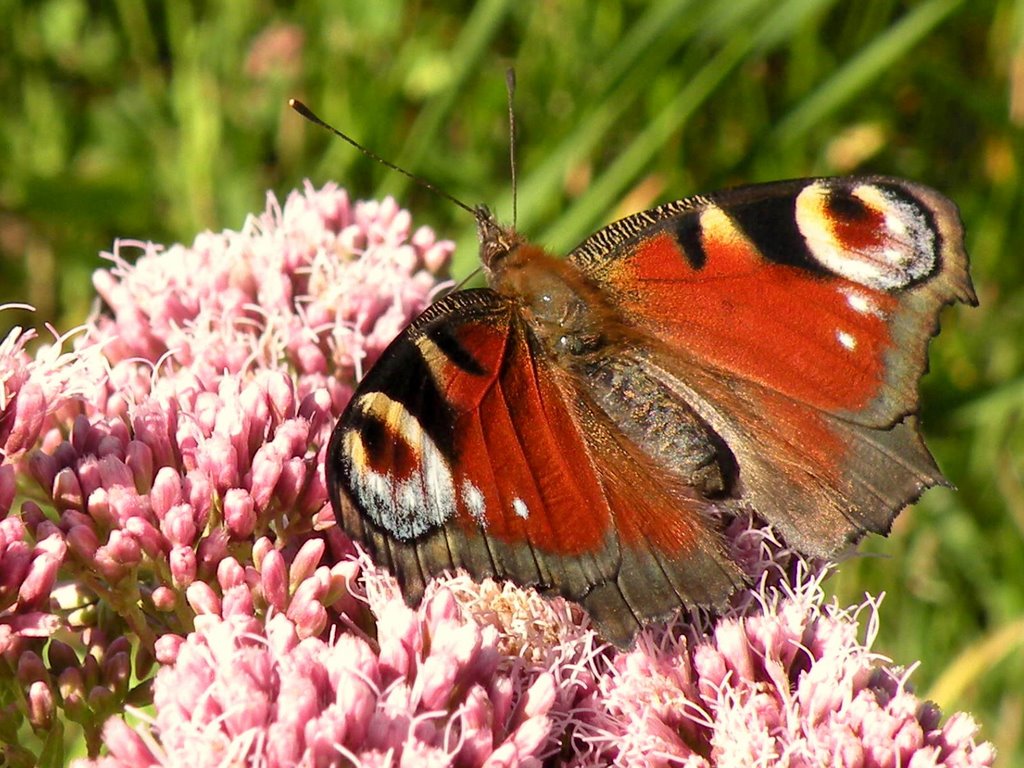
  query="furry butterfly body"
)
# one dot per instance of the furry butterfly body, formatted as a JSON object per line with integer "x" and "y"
{"x": 585, "y": 424}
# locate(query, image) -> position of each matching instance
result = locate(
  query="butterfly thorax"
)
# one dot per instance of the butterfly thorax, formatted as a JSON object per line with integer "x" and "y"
{"x": 563, "y": 310}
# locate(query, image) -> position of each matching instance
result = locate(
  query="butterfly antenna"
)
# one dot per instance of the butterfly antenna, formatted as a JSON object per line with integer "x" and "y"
{"x": 307, "y": 113}
{"x": 510, "y": 85}
{"x": 464, "y": 281}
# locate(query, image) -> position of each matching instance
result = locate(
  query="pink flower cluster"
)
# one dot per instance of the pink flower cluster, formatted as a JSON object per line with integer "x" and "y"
{"x": 430, "y": 688}
{"x": 186, "y": 428}
{"x": 162, "y": 507}
{"x": 788, "y": 686}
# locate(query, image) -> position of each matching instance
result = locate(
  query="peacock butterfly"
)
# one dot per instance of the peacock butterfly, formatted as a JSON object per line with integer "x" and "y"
{"x": 581, "y": 424}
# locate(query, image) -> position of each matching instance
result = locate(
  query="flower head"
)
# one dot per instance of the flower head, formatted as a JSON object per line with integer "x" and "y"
{"x": 184, "y": 433}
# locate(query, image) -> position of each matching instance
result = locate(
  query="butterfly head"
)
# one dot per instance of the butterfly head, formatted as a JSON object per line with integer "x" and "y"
{"x": 496, "y": 241}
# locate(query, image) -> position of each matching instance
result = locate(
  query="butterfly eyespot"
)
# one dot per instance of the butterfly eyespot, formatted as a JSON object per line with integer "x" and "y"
{"x": 395, "y": 469}
{"x": 871, "y": 234}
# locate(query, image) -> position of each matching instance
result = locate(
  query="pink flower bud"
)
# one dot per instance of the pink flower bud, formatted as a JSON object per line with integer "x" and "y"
{"x": 712, "y": 669}
{"x": 478, "y": 725}
{"x": 202, "y": 598}
{"x": 30, "y": 667}
{"x": 154, "y": 426}
{"x": 305, "y": 562}
{"x": 400, "y": 641}
{"x": 150, "y": 539}
{"x": 100, "y": 699}
{"x": 166, "y": 648}
{"x": 183, "y": 566}
{"x": 177, "y": 525}
{"x": 72, "y": 517}
{"x": 110, "y": 446}
{"x": 291, "y": 482}
{"x": 60, "y": 656}
{"x": 442, "y": 609}
{"x": 8, "y": 487}
{"x": 164, "y": 599}
{"x": 315, "y": 408}
{"x": 238, "y": 602}
{"x": 117, "y": 671}
{"x": 67, "y": 493}
{"x": 40, "y": 705}
{"x": 256, "y": 407}
{"x": 274, "y": 580}
{"x": 98, "y": 506}
{"x": 292, "y": 437}
{"x": 502, "y": 696}
{"x": 435, "y": 681}
{"x": 340, "y": 589}
{"x": 199, "y": 493}
{"x": 732, "y": 642}
{"x": 29, "y": 413}
{"x": 280, "y": 394}
{"x": 125, "y": 504}
{"x": 531, "y": 736}
{"x": 82, "y": 438}
{"x": 126, "y": 745}
{"x": 309, "y": 616}
{"x": 206, "y": 408}
{"x": 505, "y": 756}
{"x": 212, "y": 549}
{"x": 266, "y": 470}
{"x": 114, "y": 472}
{"x": 166, "y": 491}
{"x": 230, "y": 573}
{"x": 541, "y": 696}
{"x": 43, "y": 467}
{"x": 112, "y": 569}
{"x": 124, "y": 548}
{"x": 217, "y": 459}
{"x": 281, "y": 635}
{"x": 35, "y": 589}
{"x": 71, "y": 686}
{"x": 11, "y": 530}
{"x": 306, "y": 611}
{"x": 309, "y": 359}
{"x": 17, "y": 559}
{"x": 311, "y": 502}
{"x": 239, "y": 513}
{"x": 82, "y": 542}
{"x": 139, "y": 458}
{"x": 260, "y": 549}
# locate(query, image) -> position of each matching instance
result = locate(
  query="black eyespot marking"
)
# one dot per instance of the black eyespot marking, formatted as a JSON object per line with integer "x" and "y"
{"x": 374, "y": 437}
{"x": 441, "y": 334}
{"x": 846, "y": 207}
{"x": 687, "y": 232}
{"x": 770, "y": 224}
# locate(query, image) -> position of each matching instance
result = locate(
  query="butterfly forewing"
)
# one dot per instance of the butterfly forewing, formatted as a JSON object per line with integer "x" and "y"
{"x": 484, "y": 457}
{"x": 825, "y": 290}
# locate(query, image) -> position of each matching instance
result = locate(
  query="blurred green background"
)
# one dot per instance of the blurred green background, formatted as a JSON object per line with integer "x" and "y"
{"x": 155, "y": 121}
